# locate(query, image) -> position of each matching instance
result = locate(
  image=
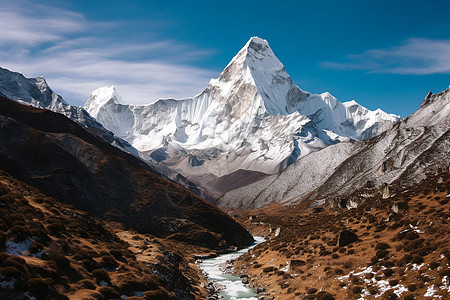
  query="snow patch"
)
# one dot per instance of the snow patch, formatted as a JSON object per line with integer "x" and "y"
{"x": 21, "y": 248}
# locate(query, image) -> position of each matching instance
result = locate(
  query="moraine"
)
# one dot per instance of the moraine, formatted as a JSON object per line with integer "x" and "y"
{"x": 231, "y": 287}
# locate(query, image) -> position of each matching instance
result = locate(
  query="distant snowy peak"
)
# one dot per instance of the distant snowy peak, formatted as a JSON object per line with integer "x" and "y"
{"x": 36, "y": 92}
{"x": 31, "y": 91}
{"x": 100, "y": 97}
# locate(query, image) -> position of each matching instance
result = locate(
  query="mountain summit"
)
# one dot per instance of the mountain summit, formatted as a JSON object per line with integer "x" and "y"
{"x": 256, "y": 69}
{"x": 252, "y": 118}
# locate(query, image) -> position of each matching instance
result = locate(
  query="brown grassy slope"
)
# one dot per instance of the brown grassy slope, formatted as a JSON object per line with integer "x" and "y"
{"x": 406, "y": 250}
{"x": 48, "y": 151}
{"x": 73, "y": 255}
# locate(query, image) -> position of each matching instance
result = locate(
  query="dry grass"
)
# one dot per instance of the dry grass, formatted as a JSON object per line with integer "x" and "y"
{"x": 393, "y": 245}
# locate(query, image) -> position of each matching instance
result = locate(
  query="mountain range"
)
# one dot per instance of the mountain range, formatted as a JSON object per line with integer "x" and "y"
{"x": 349, "y": 172}
{"x": 251, "y": 121}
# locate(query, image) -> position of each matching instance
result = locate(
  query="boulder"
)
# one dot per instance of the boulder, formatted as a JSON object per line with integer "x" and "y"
{"x": 346, "y": 237}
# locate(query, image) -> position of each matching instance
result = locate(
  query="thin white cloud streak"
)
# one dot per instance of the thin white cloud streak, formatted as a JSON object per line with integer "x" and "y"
{"x": 416, "y": 56}
{"x": 58, "y": 46}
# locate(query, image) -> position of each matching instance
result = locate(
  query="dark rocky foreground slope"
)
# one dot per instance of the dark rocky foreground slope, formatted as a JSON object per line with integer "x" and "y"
{"x": 124, "y": 222}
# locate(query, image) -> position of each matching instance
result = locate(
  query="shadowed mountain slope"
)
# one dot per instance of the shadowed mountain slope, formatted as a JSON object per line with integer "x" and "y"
{"x": 56, "y": 155}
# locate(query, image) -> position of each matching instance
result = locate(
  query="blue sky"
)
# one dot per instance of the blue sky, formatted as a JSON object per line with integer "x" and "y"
{"x": 385, "y": 54}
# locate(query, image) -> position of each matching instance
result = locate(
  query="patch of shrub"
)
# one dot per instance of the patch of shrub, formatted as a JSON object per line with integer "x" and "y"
{"x": 357, "y": 289}
{"x": 412, "y": 235}
{"x": 36, "y": 247}
{"x": 2, "y": 241}
{"x": 117, "y": 254}
{"x": 129, "y": 285}
{"x": 409, "y": 296}
{"x": 380, "y": 227}
{"x": 55, "y": 252}
{"x": 426, "y": 250}
{"x": 372, "y": 290}
{"x": 417, "y": 259}
{"x": 388, "y": 272}
{"x": 101, "y": 275}
{"x": 434, "y": 265}
{"x": 38, "y": 287}
{"x": 324, "y": 253}
{"x": 87, "y": 284}
{"x": 40, "y": 234}
{"x": 393, "y": 282}
{"x": 56, "y": 228}
{"x": 347, "y": 264}
{"x": 18, "y": 233}
{"x": 389, "y": 295}
{"x": 338, "y": 271}
{"x": 381, "y": 253}
{"x": 10, "y": 272}
{"x": 445, "y": 272}
{"x": 89, "y": 264}
{"x": 413, "y": 244}
{"x": 322, "y": 295}
{"x": 108, "y": 262}
{"x": 381, "y": 246}
{"x": 159, "y": 294}
{"x": 109, "y": 292}
{"x": 16, "y": 262}
{"x": 387, "y": 263}
{"x": 355, "y": 279}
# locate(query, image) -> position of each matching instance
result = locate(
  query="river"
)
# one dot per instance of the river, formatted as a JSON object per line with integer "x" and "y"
{"x": 233, "y": 286}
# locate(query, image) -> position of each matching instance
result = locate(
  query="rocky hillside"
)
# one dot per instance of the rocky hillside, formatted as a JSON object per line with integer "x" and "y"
{"x": 50, "y": 250}
{"x": 393, "y": 248}
{"x": 56, "y": 155}
{"x": 349, "y": 172}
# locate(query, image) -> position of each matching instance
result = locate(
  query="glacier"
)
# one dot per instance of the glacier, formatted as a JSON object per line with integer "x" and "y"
{"x": 252, "y": 117}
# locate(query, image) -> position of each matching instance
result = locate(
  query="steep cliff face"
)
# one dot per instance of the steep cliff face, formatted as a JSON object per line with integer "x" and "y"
{"x": 253, "y": 118}
{"x": 403, "y": 155}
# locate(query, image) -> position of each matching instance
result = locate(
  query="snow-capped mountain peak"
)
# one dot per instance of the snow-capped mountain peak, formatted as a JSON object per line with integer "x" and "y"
{"x": 256, "y": 74}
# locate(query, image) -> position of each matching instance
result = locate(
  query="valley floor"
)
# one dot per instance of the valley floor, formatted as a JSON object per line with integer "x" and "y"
{"x": 386, "y": 249}
{"x": 395, "y": 248}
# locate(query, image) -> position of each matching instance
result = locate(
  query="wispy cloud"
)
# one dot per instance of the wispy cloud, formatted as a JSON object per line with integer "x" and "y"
{"x": 416, "y": 56}
{"x": 56, "y": 43}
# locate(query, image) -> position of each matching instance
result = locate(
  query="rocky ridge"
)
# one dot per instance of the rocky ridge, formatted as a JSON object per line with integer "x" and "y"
{"x": 347, "y": 173}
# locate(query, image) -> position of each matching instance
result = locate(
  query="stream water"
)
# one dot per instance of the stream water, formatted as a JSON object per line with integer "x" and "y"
{"x": 233, "y": 286}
